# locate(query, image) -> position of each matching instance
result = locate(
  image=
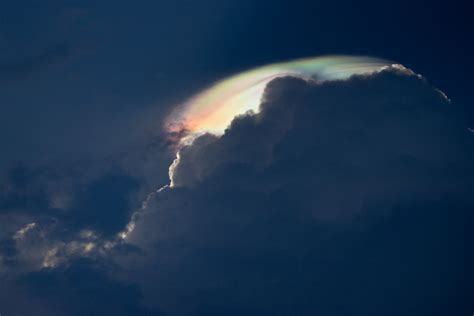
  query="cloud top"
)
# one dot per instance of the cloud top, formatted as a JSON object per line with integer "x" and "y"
{"x": 340, "y": 197}
{"x": 213, "y": 109}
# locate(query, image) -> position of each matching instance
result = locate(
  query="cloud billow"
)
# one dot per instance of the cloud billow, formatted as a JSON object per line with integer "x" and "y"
{"x": 344, "y": 197}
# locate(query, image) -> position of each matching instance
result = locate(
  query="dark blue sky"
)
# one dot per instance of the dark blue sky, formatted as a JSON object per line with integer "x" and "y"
{"x": 352, "y": 197}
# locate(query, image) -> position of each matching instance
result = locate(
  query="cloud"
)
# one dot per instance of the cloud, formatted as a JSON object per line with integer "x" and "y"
{"x": 343, "y": 197}
{"x": 349, "y": 197}
{"x": 36, "y": 234}
{"x": 105, "y": 204}
{"x": 82, "y": 288}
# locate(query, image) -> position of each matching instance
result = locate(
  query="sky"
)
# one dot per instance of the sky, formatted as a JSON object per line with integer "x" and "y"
{"x": 134, "y": 181}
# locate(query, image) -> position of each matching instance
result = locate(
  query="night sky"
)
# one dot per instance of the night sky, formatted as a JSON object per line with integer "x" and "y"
{"x": 346, "y": 196}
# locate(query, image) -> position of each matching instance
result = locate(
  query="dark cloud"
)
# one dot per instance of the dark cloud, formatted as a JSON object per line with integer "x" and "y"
{"x": 105, "y": 205}
{"x": 19, "y": 192}
{"x": 103, "y": 201}
{"x": 321, "y": 204}
{"x": 49, "y": 220}
{"x": 347, "y": 197}
{"x": 82, "y": 288}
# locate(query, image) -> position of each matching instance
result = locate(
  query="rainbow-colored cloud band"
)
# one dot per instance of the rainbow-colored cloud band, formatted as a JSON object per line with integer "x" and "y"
{"x": 212, "y": 110}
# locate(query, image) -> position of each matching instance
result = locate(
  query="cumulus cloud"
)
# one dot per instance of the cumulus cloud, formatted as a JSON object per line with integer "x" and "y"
{"x": 348, "y": 197}
{"x": 36, "y": 233}
{"x": 343, "y": 197}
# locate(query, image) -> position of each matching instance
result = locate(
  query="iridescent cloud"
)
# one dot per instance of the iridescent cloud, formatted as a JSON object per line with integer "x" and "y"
{"x": 212, "y": 110}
